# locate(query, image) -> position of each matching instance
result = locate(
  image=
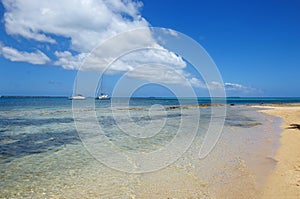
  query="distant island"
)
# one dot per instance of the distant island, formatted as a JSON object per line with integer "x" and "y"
{"x": 26, "y": 96}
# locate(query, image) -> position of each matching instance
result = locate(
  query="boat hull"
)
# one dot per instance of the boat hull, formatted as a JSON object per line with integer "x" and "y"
{"x": 77, "y": 98}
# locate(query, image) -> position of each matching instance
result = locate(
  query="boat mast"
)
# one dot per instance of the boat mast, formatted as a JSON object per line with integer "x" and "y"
{"x": 74, "y": 86}
{"x": 101, "y": 84}
{"x": 99, "y": 87}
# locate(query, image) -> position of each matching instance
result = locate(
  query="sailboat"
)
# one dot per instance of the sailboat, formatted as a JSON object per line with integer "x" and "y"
{"x": 77, "y": 96}
{"x": 102, "y": 95}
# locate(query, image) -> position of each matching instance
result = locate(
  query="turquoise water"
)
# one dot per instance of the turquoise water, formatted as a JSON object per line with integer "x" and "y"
{"x": 41, "y": 153}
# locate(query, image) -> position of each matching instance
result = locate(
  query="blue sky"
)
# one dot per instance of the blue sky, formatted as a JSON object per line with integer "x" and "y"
{"x": 255, "y": 44}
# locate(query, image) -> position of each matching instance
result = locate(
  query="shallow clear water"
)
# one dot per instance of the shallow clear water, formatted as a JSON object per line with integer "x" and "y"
{"x": 42, "y": 155}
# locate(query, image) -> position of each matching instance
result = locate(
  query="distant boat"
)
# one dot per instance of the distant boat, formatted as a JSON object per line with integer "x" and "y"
{"x": 77, "y": 97}
{"x": 102, "y": 96}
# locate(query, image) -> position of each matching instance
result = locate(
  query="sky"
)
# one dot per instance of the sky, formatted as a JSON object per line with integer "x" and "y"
{"x": 255, "y": 44}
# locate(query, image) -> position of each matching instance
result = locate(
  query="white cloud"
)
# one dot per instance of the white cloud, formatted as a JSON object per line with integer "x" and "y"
{"x": 229, "y": 87}
{"x": 12, "y": 54}
{"x": 147, "y": 56}
{"x": 170, "y": 31}
{"x": 68, "y": 61}
{"x": 239, "y": 87}
{"x": 196, "y": 82}
{"x": 86, "y": 23}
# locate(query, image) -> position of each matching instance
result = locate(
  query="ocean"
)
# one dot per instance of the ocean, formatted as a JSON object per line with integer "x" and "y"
{"x": 49, "y": 148}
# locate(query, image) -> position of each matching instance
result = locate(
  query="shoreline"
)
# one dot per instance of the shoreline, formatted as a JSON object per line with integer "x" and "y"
{"x": 284, "y": 180}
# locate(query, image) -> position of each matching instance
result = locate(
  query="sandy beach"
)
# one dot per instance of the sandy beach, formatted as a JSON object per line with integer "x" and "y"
{"x": 284, "y": 181}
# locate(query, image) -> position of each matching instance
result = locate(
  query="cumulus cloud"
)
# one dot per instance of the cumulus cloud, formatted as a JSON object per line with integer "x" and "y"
{"x": 239, "y": 87}
{"x": 69, "y": 61}
{"x": 196, "y": 83}
{"x": 228, "y": 87}
{"x": 148, "y": 56}
{"x": 170, "y": 31}
{"x": 159, "y": 74}
{"x": 12, "y": 54}
{"x": 86, "y": 23}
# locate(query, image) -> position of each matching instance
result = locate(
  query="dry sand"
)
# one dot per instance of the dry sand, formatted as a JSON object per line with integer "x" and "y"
{"x": 284, "y": 181}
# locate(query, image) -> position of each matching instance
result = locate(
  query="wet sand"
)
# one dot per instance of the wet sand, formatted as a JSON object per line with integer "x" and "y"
{"x": 284, "y": 181}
